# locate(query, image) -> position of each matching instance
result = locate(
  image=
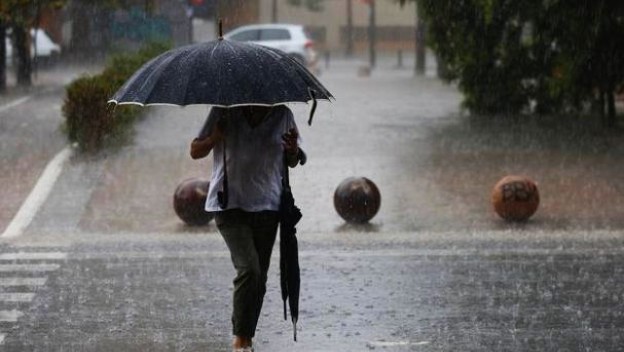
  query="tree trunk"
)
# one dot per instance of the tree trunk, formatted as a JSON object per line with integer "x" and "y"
{"x": 3, "y": 68}
{"x": 79, "y": 43}
{"x": 24, "y": 63}
{"x": 420, "y": 43}
{"x": 601, "y": 105}
{"x": 610, "y": 109}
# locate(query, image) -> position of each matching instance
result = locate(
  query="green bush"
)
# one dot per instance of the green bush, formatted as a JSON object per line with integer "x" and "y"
{"x": 90, "y": 121}
{"x": 88, "y": 118}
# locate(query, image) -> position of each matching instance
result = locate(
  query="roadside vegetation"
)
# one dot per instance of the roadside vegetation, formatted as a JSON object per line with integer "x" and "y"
{"x": 17, "y": 17}
{"x": 535, "y": 57}
{"x": 90, "y": 122}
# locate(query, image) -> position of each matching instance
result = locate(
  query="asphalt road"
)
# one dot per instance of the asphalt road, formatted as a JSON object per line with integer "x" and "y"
{"x": 401, "y": 292}
{"x": 106, "y": 265}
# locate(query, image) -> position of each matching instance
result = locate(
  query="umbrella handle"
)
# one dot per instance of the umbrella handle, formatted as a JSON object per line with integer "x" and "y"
{"x": 313, "y": 109}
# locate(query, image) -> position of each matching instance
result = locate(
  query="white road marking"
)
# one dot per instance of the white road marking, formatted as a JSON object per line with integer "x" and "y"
{"x": 38, "y": 195}
{"x": 28, "y": 267}
{"x": 33, "y": 256}
{"x": 2, "y": 338}
{"x": 17, "y": 297}
{"x": 151, "y": 255}
{"x": 10, "y": 316}
{"x": 367, "y": 253}
{"x": 396, "y": 343}
{"x": 22, "y": 281}
{"x": 14, "y": 103}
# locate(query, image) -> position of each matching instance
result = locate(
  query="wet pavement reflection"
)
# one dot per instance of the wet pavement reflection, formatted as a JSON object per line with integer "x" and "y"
{"x": 414, "y": 298}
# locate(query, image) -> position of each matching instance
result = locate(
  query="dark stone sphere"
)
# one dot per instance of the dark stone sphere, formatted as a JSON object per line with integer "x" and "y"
{"x": 357, "y": 199}
{"x": 515, "y": 198}
{"x": 189, "y": 201}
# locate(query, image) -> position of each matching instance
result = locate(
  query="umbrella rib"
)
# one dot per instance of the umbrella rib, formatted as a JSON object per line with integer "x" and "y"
{"x": 138, "y": 74}
{"x": 276, "y": 60}
{"x": 167, "y": 58}
{"x": 242, "y": 83}
{"x": 302, "y": 72}
{"x": 169, "y": 61}
{"x": 186, "y": 86}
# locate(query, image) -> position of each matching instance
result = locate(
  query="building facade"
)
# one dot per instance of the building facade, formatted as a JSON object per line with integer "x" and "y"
{"x": 395, "y": 25}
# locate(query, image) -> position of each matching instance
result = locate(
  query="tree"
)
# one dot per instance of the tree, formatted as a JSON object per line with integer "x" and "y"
{"x": 591, "y": 47}
{"x": 20, "y": 15}
{"x": 3, "y": 78}
{"x": 535, "y": 56}
{"x": 16, "y": 14}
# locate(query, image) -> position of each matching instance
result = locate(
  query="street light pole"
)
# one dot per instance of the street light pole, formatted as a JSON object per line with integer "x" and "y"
{"x": 420, "y": 42}
{"x": 349, "y": 34}
{"x": 372, "y": 32}
{"x": 274, "y": 12}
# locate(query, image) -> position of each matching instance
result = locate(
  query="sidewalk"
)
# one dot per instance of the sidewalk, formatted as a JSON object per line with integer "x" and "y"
{"x": 140, "y": 179}
{"x": 435, "y": 168}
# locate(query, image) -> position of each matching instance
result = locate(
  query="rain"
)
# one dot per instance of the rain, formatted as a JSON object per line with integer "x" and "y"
{"x": 432, "y": 101}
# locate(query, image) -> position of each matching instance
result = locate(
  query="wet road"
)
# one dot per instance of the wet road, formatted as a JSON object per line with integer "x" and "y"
{"x": 30, "y": 134}
{"x": 109, "y": 265}
{"x": 483, "y": 293}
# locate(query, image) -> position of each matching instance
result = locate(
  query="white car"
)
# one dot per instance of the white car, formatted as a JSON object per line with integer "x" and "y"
{"x": 46, "y": 49}
{"x": 289, "y": 38}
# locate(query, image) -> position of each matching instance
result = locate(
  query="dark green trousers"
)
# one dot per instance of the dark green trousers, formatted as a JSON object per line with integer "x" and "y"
{"x": 250, "y": 237}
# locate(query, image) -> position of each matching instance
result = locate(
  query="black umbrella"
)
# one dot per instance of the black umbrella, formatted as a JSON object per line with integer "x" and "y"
{"x": 289, "y": 251}
{"x": 221, "y": 73}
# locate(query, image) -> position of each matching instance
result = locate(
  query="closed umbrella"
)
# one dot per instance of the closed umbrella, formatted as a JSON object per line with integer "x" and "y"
{"x": 289, "y": 215}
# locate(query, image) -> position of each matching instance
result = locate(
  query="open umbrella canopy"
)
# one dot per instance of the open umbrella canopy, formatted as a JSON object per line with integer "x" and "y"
{"x": 221, "y": 73}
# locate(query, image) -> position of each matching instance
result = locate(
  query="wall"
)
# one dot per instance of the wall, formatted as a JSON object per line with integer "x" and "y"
{"x": 395, "y": 25}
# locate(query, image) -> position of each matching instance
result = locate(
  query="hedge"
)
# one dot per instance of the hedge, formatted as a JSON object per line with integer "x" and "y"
{"x": 90, "y": 122}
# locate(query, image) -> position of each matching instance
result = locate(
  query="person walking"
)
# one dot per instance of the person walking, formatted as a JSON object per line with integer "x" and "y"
{"x": 251, "y": 145}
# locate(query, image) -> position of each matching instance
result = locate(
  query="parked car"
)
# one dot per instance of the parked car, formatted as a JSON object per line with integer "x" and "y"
{"x": 290, "y": 38}
{"x": 46, "y": 50}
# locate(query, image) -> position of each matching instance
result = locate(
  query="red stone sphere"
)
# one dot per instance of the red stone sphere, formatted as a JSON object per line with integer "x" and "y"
{"x": 189, "y": 201}
{"x": 357, "y": 199}
{"x": 515, "y": 198}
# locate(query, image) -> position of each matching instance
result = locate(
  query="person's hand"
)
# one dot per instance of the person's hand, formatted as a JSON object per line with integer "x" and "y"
{"x": 289, "y": 141}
